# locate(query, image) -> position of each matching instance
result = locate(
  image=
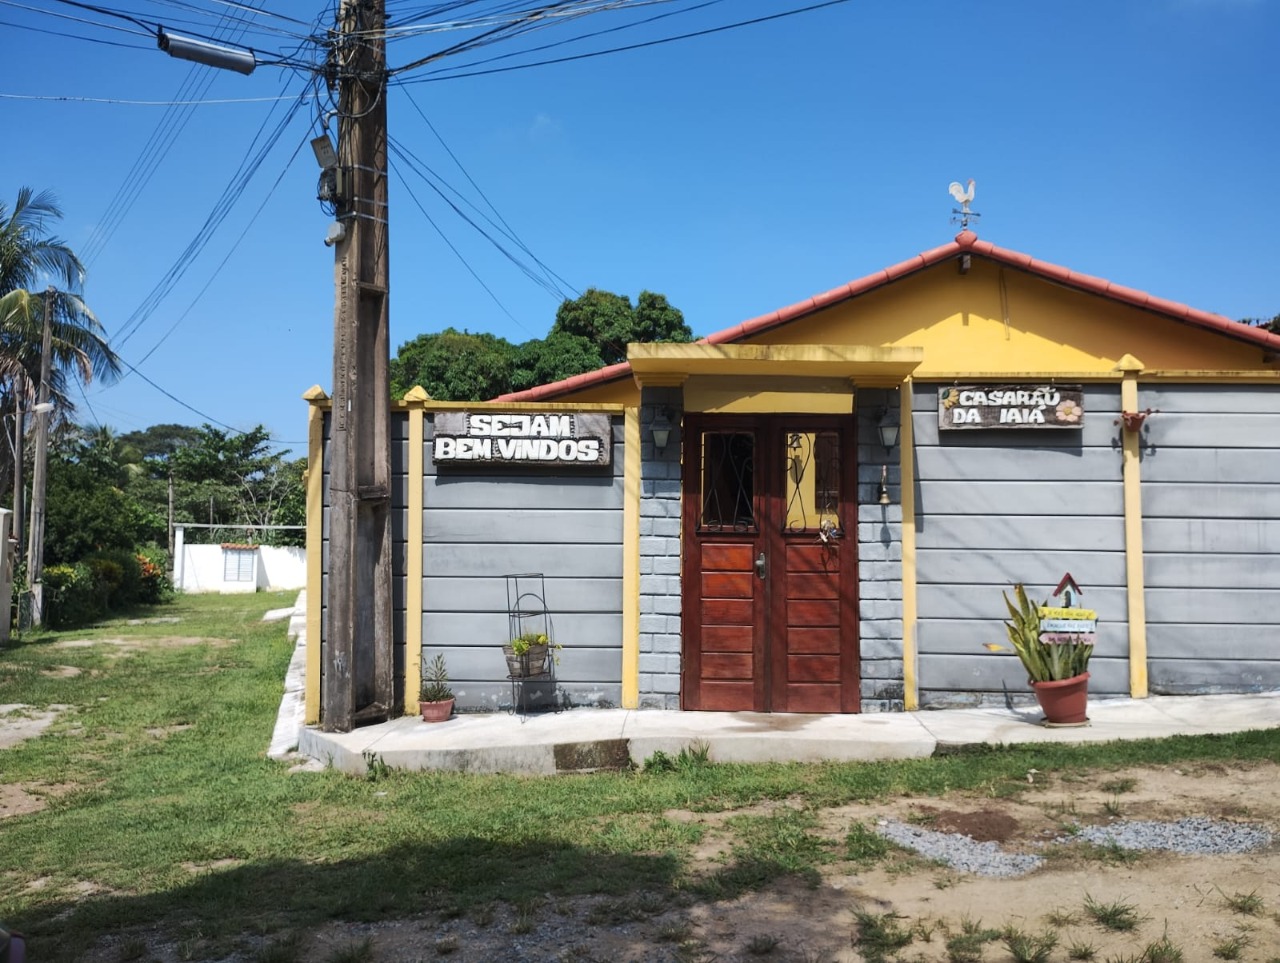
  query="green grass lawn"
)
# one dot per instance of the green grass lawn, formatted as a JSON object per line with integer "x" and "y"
{"x": 163, "y": 809}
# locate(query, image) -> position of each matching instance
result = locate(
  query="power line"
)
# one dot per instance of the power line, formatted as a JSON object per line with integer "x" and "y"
{"x": 72, "y": 36}
{"x": 231, "y": 193}
{"x": 223, "y": 263}
{"x": 464, "y": 72}
{"x": 551, "y": 276}
{"x": 151, "y": 103}
{"x": 403, "y": 153}
{"x": 458, "y": 254}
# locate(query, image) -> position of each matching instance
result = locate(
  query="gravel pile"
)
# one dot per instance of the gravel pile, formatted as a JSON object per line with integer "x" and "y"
{"x": 957, "y": 851}
{"x": 1194, "y": 835}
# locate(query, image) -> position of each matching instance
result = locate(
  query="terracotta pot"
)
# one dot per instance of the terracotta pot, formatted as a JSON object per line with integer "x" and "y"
{"x": 436, "y": 711}
{"x": 1064, "y": 701}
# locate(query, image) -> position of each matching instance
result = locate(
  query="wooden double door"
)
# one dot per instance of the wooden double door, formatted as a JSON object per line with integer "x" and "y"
{"x": 770, "y": 607}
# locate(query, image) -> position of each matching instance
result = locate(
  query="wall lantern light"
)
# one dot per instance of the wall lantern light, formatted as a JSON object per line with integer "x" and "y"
{"x": 888, "y": 436}
{"x": 888, "y": 431}
{"x": 661, "y": 428}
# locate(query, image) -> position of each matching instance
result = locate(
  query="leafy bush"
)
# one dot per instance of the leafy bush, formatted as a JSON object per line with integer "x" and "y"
{"x": 154, "y": 586}
{"x": 72, "y": 595}
{"x": 105, "y": 581}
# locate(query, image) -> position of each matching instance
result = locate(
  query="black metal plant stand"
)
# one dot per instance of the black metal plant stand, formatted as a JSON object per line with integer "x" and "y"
{"x": 527, "y": 613}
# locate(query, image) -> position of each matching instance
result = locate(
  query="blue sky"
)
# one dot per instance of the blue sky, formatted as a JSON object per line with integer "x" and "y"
{"x": 735, "y": 173}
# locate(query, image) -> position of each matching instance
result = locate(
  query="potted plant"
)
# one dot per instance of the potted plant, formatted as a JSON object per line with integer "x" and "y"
{"x": 1057, "y": 662}
{"x": 435, "y": 698}
{"x": 527, "y": 654}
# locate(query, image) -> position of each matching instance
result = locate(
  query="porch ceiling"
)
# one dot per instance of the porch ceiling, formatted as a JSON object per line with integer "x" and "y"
{"x": 656, "y": 365}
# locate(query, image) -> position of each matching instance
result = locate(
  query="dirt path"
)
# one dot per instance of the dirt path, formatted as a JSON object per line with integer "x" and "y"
{"x": 1184, "y": 901}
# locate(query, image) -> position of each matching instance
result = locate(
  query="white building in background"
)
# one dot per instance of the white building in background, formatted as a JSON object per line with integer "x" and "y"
{"x": 231, "y": 567}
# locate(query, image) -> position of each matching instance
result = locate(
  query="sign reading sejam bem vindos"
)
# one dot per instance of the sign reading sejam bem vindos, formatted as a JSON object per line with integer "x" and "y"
{"x": 520, "y": 438}
{"x": 1011, "y": 406}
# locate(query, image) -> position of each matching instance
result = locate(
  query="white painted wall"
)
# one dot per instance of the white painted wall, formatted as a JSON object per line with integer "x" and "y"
{"x": 200, "y": 568}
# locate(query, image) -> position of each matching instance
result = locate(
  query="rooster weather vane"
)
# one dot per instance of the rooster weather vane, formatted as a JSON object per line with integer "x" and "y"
{"x": 963, "y": 195}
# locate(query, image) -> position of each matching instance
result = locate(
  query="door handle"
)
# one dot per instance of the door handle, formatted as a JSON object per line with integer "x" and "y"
{"x": 762, "y": 565}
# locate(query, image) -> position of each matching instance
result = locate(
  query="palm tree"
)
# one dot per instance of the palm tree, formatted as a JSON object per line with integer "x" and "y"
{"x": 30, "y": 255}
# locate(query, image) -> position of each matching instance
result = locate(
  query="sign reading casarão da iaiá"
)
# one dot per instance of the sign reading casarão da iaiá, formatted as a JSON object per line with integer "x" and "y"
{"x": 1011, "y": 406}
{"x": 579, "y": 439}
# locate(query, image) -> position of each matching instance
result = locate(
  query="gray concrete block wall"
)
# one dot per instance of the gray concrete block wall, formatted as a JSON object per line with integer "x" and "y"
{"x": 660, "y": 593}
{"x": 481, "y": 525}
{"x": 998, "y": 506}
{"x": 879, "y": 556}
{"x": 1211, "y": 537}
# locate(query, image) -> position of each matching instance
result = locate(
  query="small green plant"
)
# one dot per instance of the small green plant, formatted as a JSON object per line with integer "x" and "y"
{"x": 1246, "y": 904}
{"x": 688, "y": 759}
{"x": 1162, "y": 950}
{"x": 1044, "y": 661}
{"x": 864, "y": 845}
{"x": 1026, "y": 948}
{"x": 1082, "y": 951}
{"x": 1232, "y": 948}
{"x": 1119, "y": 917}
{"x": 1112, "y": 807}
{"x": 880, "y": 935}
{"x": 1061, "y": 917}
{"x": 375, "y": 768}
{"x": 435, "y": 681}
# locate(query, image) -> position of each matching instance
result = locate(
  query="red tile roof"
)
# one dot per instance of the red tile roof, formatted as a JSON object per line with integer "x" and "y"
{"x": 966, "y": 242}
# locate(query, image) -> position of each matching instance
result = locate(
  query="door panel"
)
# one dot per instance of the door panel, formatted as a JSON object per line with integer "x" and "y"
{"x": 770, "y": 607}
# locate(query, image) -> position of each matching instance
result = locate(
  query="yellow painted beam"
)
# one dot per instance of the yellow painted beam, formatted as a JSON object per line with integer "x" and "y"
{"x": 907, "y": 465}
{"x": 631, "y": 561}
{"x": 317, "y": 401}
{"x": 414, "y": 547}
{"x": 1135, "y": 576}
{"x": 658, "y": 363}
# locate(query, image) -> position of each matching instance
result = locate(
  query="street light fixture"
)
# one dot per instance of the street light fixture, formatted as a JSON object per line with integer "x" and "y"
{"x": 203, "y": 52}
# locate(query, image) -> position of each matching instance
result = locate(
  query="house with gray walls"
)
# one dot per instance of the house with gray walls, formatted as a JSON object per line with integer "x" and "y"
{"x": 818, "y": 509}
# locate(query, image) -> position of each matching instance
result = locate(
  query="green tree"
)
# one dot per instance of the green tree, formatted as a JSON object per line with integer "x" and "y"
{"x": 560, "y": 355}
{"x": 610, "y": 322}
{"x": 454, "y": 366}
{"x": 159, "y": 442}
{"x": 29, "y": 255}
{"x": 91, "y": 504}
{"x": 31, "y": 258}
{"x": 233, "y": 478}
{"x": 1273, "y": 325}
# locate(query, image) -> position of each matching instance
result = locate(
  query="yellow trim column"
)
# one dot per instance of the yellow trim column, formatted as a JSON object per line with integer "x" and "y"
{"x": 631, "y": 560}
{"x": 907, "y": 499}
{"x": 416, "y": 397}
{"x": 316, "y": 399}
{"x": 1135, "y": 578}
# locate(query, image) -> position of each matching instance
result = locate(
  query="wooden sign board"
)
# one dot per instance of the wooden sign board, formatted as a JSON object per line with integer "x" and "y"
{"x": 560, "y": 439}
{"x": 1011, "y": 406}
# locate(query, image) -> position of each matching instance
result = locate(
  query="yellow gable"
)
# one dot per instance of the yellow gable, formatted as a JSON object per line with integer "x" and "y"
{"x": 1000, "y": 322}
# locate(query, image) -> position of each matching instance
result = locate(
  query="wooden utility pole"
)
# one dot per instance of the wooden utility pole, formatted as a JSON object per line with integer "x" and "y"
{"x": 357, "y": 684}
{"x": 19, "y": 456}
{"x": 35, "y": 554}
